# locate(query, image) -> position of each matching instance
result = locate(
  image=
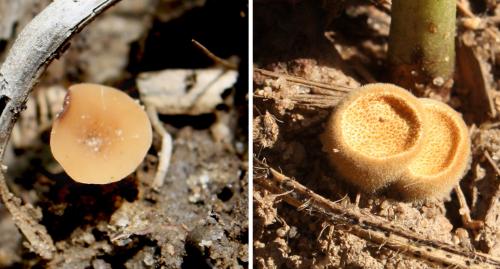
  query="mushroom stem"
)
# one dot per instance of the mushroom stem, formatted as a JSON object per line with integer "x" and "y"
{"x": 166, "y": 147}
{"x": 422, "y": 44}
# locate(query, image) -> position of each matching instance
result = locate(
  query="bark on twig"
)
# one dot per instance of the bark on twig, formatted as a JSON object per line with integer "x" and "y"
{"x": 46, "y": 37}
{"x": 26, "y": 218}
{"x": 370, "y": 227}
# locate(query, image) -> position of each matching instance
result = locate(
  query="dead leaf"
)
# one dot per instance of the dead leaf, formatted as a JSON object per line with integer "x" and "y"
{"x": 472, "y": 76}
{"x": 185, "y": 91}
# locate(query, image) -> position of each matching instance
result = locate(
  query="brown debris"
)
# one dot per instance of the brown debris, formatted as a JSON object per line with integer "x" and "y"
{"x": 298, "y": 86}
{"x": 128, "y": 224}
{"x": 374, "y": 229}
{"x": 265, "y": 130}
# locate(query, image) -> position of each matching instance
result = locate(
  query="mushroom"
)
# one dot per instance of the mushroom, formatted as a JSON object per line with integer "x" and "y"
{"x": 373, "y": 134}
{"x": 444, "y": 158}
{"x": 101, "y": 135}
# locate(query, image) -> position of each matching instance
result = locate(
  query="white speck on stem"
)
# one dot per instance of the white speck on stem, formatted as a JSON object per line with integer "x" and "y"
{"x": 438, "y": 81}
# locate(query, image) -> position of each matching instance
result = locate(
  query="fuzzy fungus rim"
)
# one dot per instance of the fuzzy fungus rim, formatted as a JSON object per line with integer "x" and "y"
{"x": 373, "y": 134}
{"x": 445, "y": 157}
{"x": 375, "y": 116}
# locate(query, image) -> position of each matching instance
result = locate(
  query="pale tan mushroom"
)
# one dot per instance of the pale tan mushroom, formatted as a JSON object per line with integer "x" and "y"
{"x": 444, "y": 158}
{"x": 373, "y": 134}
{"x": 101, "y": 136}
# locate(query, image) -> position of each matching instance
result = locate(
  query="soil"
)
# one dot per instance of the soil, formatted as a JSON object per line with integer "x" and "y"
{"x": 199, "y": 216}
{"x": 307, "y": 55}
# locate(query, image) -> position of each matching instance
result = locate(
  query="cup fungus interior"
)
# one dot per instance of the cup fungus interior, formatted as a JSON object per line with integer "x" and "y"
{"x": 442, "y": 142}
{"x": 101, "y": 136}
{"x": 380, "y": 125}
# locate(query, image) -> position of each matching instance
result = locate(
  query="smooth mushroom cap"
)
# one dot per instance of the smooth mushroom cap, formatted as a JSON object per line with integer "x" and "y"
{"x": 445, "y": 157}
{"x": 101, "y": 136}
{"x": 373, "y": 133}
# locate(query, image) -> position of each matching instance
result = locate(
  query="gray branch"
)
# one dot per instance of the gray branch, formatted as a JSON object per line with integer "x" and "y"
{"x": 46, "y": 37}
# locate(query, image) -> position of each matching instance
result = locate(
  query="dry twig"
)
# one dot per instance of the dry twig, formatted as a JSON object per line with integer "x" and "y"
{"x": 491, "y": 216}
{"x": 26, "y": 218}
{"x": 46, "y": 37}
{"x": 370, "y": 227}
{"x": 331, "y": 89}
{"x": 317, "y": 95}
{"x": 464, "y": 9}
{"x": 492, "y": 163}
{"x": 227, "y": 64}
{"x": 467, "y": 221}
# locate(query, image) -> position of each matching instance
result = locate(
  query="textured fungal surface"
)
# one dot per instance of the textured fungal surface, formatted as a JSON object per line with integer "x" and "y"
{"x": 440, "y": 148}
{"x": 444, "y": 157}
{"x": 102, "y": 134}
{"x": 373, "y": 134}
{"x": 380, "y": 125}
{"x": 307, "y": 81}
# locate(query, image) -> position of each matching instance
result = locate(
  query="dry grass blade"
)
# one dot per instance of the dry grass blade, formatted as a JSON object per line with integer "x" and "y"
{"x": 311, "y": 95}
{"x": 370, "y": 227}
{"x": 315, "y": 101}
{"x": 317, "y": 86}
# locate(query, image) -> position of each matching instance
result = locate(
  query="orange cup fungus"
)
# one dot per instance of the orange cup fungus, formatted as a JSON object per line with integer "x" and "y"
{"x": 381, "y": 134}
{"x": 444, "y": 158}
{"x": 101, "y": 135}
{"x": 373, "y": 134}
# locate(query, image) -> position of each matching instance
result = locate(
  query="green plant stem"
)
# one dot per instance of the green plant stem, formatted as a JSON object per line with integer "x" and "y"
{"x": 422, "y": 43}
